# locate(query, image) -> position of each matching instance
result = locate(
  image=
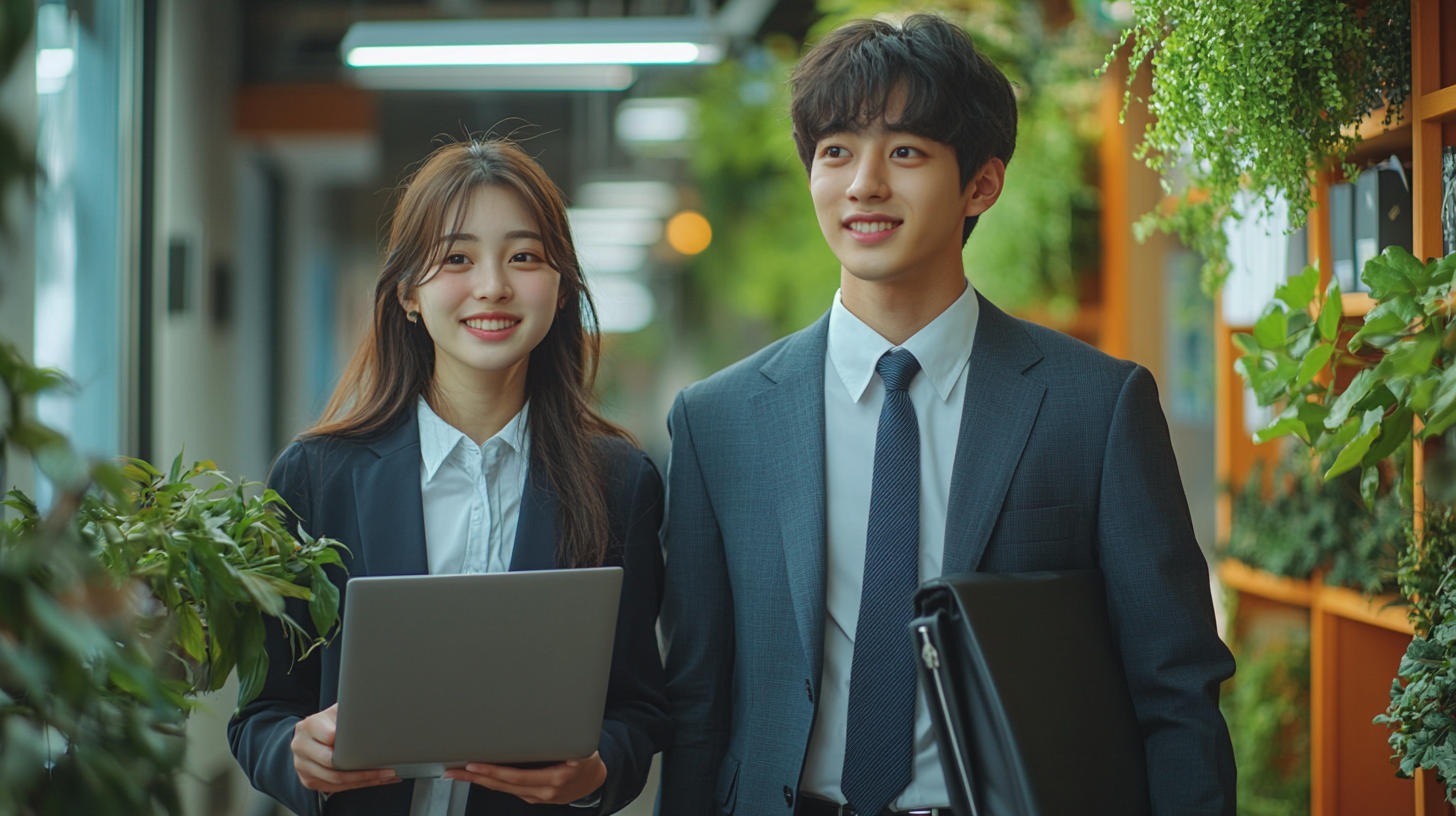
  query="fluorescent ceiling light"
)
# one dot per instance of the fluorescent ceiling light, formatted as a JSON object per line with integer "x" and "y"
{"x": 499, "y": 78}
{"x": 553, "y": 41}
{"x": 628, "y": 53}
{"x": 656, "y": 120}
{"x": 614, "y": 226}
{"x": 601, "y": 259}
{"x": 657, "y": 197}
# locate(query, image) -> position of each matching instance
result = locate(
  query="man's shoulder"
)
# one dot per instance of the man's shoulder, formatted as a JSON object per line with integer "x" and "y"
{"x": 738, "y": 381}
{"x": 1069, "y": 363}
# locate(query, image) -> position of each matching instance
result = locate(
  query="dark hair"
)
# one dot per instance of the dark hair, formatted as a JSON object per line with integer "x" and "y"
{"x": 395, "y": 363}
{"x": 954, "y": 94}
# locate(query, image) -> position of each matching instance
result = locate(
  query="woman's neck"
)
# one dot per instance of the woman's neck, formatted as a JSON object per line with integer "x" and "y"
{"x": 477, "y": 403}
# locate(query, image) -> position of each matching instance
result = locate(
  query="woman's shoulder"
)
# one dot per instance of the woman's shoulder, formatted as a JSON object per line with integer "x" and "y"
{"x": 623, "y": 461}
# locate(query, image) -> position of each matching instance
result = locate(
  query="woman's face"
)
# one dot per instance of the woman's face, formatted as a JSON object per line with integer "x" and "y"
{"x": 492, "y": 297}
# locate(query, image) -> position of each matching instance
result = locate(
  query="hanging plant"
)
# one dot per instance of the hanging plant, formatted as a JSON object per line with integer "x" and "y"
{"x": 1253, "y": 94}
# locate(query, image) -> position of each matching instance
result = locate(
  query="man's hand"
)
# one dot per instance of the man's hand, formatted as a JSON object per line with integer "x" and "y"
{"x": 313, "y": 757}
{"x": 559, "y": 784}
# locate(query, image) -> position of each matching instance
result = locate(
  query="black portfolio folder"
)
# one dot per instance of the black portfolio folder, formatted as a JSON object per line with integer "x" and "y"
{"x": 1027, "y": 694}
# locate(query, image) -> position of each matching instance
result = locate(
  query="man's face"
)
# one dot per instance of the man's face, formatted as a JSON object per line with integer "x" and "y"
{"x": 890, "y": 203}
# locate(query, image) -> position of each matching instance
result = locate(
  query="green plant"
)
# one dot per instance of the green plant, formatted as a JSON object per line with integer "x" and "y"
{"x": 1304, "y": 524}
{"x": 1253, "y": 94}
{"x": 1266, "y": 706}
{"x": 1420, "y": 716}
{"x": 1404, "y": 371}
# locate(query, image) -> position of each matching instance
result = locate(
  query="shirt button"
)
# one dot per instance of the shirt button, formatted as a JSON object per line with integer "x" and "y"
{"x": 788, "y": 796}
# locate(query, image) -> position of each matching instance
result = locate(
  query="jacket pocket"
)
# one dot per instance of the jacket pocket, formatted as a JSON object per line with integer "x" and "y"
{"x": 728, "y": 783}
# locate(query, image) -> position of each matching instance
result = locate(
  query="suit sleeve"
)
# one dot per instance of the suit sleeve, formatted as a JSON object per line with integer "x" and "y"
{"x": 636, "y": 724}
{"x": 697, "y": 626}
{"x": 1162, "y": 611}
{"x": 260, "y": 733}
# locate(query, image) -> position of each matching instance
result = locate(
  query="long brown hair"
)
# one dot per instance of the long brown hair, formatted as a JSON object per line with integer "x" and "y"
{"x": 395, "y": 363}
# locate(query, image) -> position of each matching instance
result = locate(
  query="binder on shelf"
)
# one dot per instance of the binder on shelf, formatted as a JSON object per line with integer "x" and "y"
{"x": 1027, "y": 695}
{"x": 1382, "y": 213}
{"x": 1342, "y": 237}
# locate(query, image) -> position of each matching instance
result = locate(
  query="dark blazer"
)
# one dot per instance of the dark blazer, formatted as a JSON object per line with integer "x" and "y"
{"x": 1063, "y": 461}
{"x": 366, "y": 494}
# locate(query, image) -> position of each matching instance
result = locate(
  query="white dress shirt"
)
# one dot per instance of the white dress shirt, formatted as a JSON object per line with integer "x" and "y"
{"x": 853, "y": 396}
{"x": 472, "y": 502}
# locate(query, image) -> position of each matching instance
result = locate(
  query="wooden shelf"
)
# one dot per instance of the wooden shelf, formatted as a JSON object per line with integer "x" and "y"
{"x": 1378, "y": 141}
{"x": 1380, "y": 611}
{"x": 1244, "y": 578}
{"x": 1439, "y": 106}
{"x": 1356, "y": 304}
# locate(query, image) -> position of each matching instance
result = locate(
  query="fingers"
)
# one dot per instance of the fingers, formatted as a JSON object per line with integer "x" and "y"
{"x": 558, "y": 784}
{"x": 532, "y": 795}
{"x": 321, "y": 727}
{"x": 313, "y": 758}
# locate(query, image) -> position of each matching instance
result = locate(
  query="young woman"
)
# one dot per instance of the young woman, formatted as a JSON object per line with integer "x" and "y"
{"x": 461, "y": 439}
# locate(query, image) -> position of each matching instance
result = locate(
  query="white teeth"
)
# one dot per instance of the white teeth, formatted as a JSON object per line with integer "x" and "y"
{"x": 491, "y": 325}
{"x": 871, "y": 226}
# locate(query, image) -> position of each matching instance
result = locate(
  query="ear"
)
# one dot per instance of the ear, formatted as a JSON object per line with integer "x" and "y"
{"x": 985, "y": 187}
{"x": 409, "y": 304}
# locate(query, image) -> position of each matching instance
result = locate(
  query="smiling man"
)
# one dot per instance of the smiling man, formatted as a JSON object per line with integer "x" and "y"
{"x": 915, "y": 430}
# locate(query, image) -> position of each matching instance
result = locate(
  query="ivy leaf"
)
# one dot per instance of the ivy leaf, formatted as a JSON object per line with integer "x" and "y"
{"x": 1246, "y": 343}
{"x": 1356, "y": 391}
{"x": 1355, "y": 451}
{"x": 1272, "y": 329}
{"x": 1299, "y": 290}
{"x": 1312, "y": 364}
{"x": 1331, "y": 312}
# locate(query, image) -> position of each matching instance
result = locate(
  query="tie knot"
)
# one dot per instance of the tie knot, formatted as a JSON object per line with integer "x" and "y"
{"x": 897, "y": 368}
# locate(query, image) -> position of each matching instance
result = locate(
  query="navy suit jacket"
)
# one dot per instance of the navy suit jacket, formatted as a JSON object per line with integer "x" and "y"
{"x": 1063, "y": 461}
{"x": 366, "y": 494}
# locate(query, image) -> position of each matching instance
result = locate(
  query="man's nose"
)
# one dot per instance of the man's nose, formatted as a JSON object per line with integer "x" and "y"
{"x": 869, "y": 181}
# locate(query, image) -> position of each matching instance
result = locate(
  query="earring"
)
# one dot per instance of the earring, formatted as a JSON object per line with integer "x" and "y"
{"x": 412, "y": 316}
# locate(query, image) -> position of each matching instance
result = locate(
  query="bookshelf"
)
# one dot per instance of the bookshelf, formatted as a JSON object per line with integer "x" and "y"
{"x": 1355, "y": 643}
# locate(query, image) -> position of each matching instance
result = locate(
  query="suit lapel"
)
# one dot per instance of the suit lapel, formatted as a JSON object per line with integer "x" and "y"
{"x": 389, "y": 507}
{"x": 535, "y": 547}
{"x": 999, "y": 411}
{"x": 791, "y": 427}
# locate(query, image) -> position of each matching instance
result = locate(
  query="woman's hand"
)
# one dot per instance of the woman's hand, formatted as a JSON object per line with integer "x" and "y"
{"x": 559, "y": 784}
{"x": 313, "y": 757}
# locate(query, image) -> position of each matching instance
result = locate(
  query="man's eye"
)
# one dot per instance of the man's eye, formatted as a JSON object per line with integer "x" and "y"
{"x": 904, "y": 152}
{"x": 833, "y": 152}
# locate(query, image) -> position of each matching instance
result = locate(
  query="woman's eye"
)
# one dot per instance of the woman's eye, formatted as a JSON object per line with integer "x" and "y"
{"x": 524, "y": 257}
{"x": 456, "y": 260}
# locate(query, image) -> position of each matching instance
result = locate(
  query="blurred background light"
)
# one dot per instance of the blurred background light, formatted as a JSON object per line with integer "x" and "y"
{"x": 52, "y": 66}
{"x": 689, "y": 232}
{"x": 599, "y": 259}
{"x": 614, "y": 226}
{"x": 599, "y": 53}
{"x": 657, "y": 197}
{"x": 623, "y": 305}
{"x": 498, "y": 78}
{"x": 664, "y": 119}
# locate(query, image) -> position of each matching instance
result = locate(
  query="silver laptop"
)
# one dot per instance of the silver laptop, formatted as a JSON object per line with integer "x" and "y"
{"x": 441, "y": 670}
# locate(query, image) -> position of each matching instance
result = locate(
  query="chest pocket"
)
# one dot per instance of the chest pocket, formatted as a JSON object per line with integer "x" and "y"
{"x": 1040, "y": 539}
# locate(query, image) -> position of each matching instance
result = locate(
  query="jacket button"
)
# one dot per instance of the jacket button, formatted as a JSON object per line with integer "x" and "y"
{"x": 788, "y": 796}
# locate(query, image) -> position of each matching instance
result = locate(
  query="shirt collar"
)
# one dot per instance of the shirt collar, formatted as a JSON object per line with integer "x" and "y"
{"x": 943, "y": 347}
{"x": 439, "y": 439}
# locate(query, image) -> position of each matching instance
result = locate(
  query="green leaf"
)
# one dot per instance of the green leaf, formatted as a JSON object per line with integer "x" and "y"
{"x": 1395, "y": 430}
{"x": 1355, "y": 451}
{"x": 1246, "y": 343}
{"x": 189, "y": 633}
{"x": 1369, "y": 483}
{"x": 1272, "y": 329}
{"x": 1387, "y": 318}
{"x": 252, "y": 657}
{"x": 1353, "y": 393}
{"x": 1331, "y": 312}
{"x": 1311, "y": 365}
{"x": 1281, "y": 427}
{"x": 324, "y": 608}
{"x": 1299, "y": 290}
{"x": 1384, "y": 278}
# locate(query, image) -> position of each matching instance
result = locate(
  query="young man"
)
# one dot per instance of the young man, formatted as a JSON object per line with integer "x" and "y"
{"x": 915, "y": 430}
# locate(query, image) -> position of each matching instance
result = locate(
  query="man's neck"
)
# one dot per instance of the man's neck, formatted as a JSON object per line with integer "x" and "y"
{"x": 477, "y": 403}
{"x": 897, "y": 309}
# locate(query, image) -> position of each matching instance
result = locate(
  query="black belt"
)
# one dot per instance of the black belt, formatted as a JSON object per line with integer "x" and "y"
{"x": 809, "y": 806}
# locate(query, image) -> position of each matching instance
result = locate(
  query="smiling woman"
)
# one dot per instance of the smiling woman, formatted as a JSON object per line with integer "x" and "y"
{"x": 461, "y": 440}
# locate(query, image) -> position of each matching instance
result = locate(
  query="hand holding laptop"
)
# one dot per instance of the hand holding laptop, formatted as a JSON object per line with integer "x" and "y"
{"x": 558, "y": 784}
{"x": 313, "y": 757}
